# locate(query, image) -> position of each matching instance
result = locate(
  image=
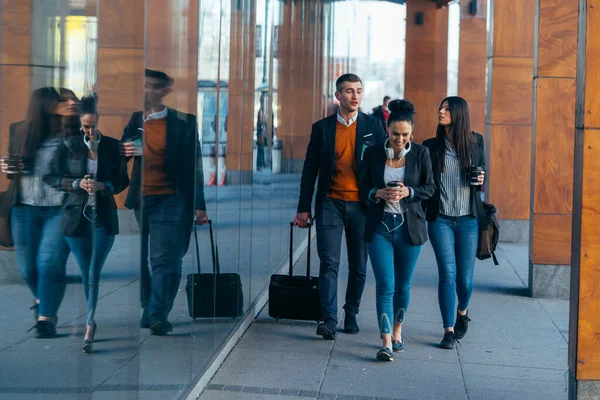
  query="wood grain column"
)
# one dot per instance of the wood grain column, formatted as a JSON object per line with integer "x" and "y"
{"x": 584, "y": 327}
{"x": 15, "y": 67}
{"x": 171, "y": 29}
{"x": 509, "y": 115}
{"x": 555, "y": 65}
{"x": 300, "y": 90}
{"x": 241, "y": 117}
{"x": 120, "y": 66}
{"x": 472, "y": 62}
{"x": 427, "y": 63}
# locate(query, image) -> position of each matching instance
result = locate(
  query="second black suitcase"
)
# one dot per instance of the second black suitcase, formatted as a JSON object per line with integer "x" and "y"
{"x": 217, "y": 294}
{"x": 295, "y": 297}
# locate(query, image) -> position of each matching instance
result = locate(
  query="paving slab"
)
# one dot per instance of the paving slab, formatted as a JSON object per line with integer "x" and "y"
{"x": 515, "y": 348}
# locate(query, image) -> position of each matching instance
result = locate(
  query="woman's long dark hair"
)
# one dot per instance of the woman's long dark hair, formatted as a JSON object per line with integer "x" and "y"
{"x": 40, "y": 122}
{"x": 460, "y": 133}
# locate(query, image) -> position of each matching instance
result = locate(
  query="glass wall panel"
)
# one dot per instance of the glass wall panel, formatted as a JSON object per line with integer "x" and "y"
{"x": 157, "y": 117}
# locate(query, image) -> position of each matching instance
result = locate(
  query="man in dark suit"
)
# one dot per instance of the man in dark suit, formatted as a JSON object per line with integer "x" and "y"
{"x": 167, "y": 198}
{"x": 334, "y": 155}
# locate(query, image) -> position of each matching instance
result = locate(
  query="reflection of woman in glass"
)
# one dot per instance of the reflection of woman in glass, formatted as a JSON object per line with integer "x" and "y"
{"x": 35, "y": 215}
{"x": 260, "y": 140}
{"x": 89, "y": 168}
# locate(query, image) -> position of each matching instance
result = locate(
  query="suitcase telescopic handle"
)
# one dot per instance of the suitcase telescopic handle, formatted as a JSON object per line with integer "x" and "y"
{"x": 213, "y": 250}
{"x": 291, "y": 256}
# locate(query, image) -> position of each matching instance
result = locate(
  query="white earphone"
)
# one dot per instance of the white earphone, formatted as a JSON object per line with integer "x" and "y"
{"x": 389, "y": 151}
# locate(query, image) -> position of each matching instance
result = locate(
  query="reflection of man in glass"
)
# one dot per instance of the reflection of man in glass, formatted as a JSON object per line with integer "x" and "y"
{"x": 170, "y": 191}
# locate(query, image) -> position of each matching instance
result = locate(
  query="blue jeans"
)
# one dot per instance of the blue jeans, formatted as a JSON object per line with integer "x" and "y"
{"x": 454, "y": 241}
{"x": 91, "y": 251}
{"x": 165, "y": 226}
{"x": 41, "y": 253}
{"x": 393, "y": 258}
{"x": 339, "y": 217}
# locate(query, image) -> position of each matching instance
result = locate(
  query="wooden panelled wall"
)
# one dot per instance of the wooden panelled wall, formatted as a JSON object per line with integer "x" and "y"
{"x": 426, "y": 82}
{"x": 584, "y": 329}
{"x": 15, "y": 67}
{"x": 553, "y": 144}
{"x": 510, "y": 100}
{"x": 300, "y": 89}
{"x": 241, "y": 118}
{"x": 120, "y": 66}
{"x": 472, "y": 62}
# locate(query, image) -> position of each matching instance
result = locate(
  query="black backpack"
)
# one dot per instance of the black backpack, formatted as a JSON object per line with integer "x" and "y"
{"x": 488, "y": 238}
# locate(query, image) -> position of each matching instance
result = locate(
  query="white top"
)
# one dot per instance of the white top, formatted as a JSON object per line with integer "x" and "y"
{"x": 394, "y": 174}
{"x": 92, "y": 166}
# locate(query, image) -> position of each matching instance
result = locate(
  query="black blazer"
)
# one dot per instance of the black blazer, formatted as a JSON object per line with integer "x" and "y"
{"x": 320, "y": 156}
{"x": 418, "y": 176}
{"x": 183, "y": 149}
{"x": 432, "y": 206}
{"x": 70, "y": 163}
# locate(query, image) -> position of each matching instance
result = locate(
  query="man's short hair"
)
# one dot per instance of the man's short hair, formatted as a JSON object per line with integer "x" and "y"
{"x": 346, "y": 78}
{"x": 386, "y": 98}
{"x": 164, "y": 79}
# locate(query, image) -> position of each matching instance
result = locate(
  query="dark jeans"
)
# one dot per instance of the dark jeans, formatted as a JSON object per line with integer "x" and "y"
{"x": 393, "y": 258}
{"x": 340, "y": 216}
{"x": 42, "y": 254}
{"x": 454, "y": 241}
{"x": 260, "y": 156}
{"x": 91, "y": 252}
{"x": 165, "y": 232}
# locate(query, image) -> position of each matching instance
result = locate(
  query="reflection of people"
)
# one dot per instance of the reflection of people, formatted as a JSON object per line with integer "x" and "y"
{"x": 382, "y": 112}
{"x": 260, "y": 140}
{"x": 455, "y": 212}
{"x": 395, "y": 228}
{"x": 164, "y": 202}
{"x": 89, "y": 168}
{"x": 40, "y": 248}
{"x": 334, "y": 155}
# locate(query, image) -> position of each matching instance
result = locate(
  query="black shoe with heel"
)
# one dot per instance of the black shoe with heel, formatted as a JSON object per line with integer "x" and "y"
{"x": 87, "y": 343}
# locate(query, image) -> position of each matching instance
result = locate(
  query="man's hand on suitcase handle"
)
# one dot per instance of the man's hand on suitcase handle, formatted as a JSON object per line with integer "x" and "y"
{"x": 302, "y": 220}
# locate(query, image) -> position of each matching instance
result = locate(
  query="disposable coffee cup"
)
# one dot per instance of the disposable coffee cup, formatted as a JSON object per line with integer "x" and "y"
{"x": 13, "y": 163}
{"x": 475, "y": 174}
{"x": 138, "y": 150}
{"x": 395, "y": 185}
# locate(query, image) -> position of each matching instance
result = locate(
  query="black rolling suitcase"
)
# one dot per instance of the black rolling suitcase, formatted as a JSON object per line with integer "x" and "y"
{"x": 212, "y": 295}
{"x": 295, "y": 297}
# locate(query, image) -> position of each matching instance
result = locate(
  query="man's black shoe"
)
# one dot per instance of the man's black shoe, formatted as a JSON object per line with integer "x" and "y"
{"x": 461, "y": 325}
{"x": 161, "y": 328}
{"x": 327, "y": 329}
{"x": 145, "y": 321}
{"x": 350, "y": 324}
{"x": 448, "y": 341}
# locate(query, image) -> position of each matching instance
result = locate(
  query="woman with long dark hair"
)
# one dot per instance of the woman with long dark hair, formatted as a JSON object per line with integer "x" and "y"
{"x": 41, "y": 250}
{"x": 396, "y": 178}
{"x": 455, "y": 212}
{"x": 89, "y": 168}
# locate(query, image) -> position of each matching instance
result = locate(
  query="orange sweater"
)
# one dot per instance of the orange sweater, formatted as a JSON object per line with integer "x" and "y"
{"x": 155, "y": 180}
{"x": 344, "y": 185}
